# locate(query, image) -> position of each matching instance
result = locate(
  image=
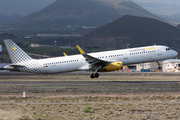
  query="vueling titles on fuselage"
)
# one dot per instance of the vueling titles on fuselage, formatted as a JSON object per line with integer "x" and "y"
{"x": 97, "y": 62}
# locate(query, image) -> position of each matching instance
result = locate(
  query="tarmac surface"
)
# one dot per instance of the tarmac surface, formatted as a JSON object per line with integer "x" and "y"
{"x": 105, "y": 73}
{"x": 89, "y": 82}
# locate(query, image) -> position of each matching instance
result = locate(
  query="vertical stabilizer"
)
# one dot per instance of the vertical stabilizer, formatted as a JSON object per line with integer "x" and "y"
{"x": 16, "y": 54}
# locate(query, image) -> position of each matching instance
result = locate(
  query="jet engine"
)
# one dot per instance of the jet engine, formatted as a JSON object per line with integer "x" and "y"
{"x": 112, "y": 67}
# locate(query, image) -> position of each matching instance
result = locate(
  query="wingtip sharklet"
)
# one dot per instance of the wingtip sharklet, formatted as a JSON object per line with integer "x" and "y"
{"x": 80, "y": 50}
{"x": 64, "y": 54}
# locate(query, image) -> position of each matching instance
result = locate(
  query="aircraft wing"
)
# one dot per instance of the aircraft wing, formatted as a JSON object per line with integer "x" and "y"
{"x": 92, "y": 60}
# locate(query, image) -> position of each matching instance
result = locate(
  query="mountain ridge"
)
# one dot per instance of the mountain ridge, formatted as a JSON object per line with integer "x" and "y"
{"x": 63, "y": 13}
{"x": 133, "y": 30}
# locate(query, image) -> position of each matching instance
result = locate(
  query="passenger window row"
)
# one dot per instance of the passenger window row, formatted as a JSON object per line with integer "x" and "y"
{"x": 54, "y": 63}
{"x": 110, "y": 56}
{"x": 142, "y": 52}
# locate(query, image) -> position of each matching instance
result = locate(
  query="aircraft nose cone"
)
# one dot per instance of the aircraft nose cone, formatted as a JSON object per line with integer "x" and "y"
{"x": 175, "y": 53}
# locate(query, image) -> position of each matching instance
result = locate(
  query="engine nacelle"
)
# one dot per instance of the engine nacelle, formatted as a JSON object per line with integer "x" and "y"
{"x": 112, "y": 67}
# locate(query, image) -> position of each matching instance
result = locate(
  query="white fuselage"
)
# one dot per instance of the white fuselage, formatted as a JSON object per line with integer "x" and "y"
{"x": 78, "y": 62}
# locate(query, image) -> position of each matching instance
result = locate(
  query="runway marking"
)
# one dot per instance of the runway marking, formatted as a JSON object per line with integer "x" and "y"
{"x": 53, "y": 103}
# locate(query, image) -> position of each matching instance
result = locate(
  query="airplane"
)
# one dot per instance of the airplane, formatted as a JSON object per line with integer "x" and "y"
{"x": 96, "y": 62}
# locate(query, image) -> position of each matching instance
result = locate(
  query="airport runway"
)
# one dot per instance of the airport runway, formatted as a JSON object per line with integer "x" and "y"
{"x": 105, "y": 73}
{"x": 89, "y": 82}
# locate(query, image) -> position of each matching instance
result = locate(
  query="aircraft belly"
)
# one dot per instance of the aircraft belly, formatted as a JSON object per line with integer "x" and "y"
{"x": 147, "y": 58}
{"x": 69, "y": 67}
{"x": 133, "y": 59}
{"x": 53, "y": 69}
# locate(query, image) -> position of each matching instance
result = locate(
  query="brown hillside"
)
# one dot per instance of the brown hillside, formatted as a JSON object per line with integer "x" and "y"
{"x": 136, "y": 31}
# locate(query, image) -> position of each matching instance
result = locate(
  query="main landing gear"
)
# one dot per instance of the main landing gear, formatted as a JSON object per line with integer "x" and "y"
{"x": 159, "y": 65}
{"x": 94, "y": 75}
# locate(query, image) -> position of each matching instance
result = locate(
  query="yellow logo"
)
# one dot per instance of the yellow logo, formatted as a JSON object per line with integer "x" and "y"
{"x": 14, "y": 48}
{"x": 151, "y": 48}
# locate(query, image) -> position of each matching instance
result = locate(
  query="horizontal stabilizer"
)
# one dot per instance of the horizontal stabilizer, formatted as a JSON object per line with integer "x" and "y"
{"x": 9, "y": 67}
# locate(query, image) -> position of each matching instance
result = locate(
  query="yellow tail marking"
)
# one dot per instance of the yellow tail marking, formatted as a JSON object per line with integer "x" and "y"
{"x": 80, "y": 50}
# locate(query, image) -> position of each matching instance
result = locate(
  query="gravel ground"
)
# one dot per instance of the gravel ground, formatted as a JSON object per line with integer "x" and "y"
{"x": 89, "y": 101}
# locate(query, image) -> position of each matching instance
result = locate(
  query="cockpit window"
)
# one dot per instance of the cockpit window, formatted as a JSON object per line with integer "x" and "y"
{"x": 168, "y": 49}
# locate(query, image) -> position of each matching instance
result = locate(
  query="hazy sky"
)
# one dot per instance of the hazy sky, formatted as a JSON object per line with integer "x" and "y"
{"x": 25, "y": 7}
{"x": 158, "y": 1}
{"x": 169, "y": 7}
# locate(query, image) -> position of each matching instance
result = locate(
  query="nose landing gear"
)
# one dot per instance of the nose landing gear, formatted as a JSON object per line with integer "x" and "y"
{"x": 94, "y": 75}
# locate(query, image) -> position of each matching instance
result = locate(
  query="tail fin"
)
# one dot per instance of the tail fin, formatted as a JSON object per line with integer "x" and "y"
{"x": 16, "y": 54}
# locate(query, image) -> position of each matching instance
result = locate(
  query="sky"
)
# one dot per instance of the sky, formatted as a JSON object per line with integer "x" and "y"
{"x": 160, "y": 7}
{"x": 158, "y": 1}
{"x": 25, "y": 7}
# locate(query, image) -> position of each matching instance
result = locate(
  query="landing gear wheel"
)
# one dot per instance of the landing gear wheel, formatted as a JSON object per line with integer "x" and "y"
{"x": 92, "y": 76}
{"x": 160, "y": 68}
{"x": 96, "y": 75}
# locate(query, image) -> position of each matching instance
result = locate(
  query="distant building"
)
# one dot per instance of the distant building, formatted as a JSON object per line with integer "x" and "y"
{"x": 27, "y": 37}
{"x": 57, "y": 35}
{"x": 38, "y": 45}
{"x": 48, "y": 35}
{"x": 89, "y": 27}
{"x": 35, "y": 45}
{"x": 171, "y": 65}
{"x": 152, "y": 66}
